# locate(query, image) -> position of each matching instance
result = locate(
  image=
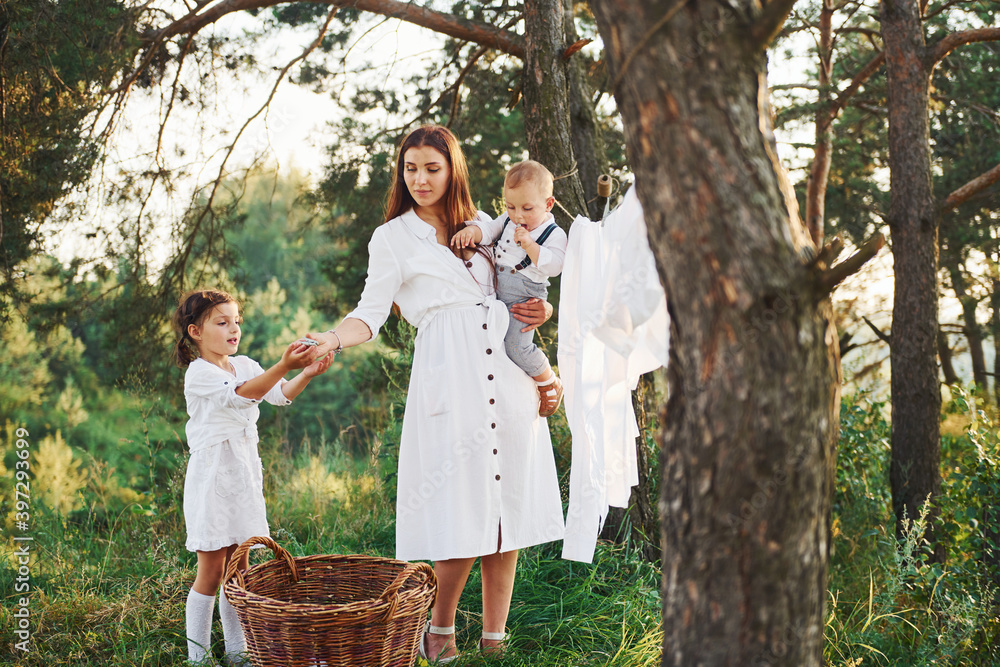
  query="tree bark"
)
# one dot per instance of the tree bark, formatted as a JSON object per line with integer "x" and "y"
{"x": 913, "y": 222}
{"x": 546, "y": 89}
{"x": 750, "y": 425}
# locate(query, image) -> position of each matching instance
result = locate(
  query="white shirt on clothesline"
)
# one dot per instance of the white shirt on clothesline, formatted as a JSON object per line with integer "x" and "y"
{"x": 613, "y": 327}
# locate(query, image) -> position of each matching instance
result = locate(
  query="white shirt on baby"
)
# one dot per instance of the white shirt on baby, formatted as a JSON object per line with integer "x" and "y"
{"x": 507, "y": 253}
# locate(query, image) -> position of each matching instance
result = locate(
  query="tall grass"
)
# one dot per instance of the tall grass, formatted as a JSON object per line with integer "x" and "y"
{"x": 109, "y": 588}
{"x": 890, "y": 604}
{"x": 109, "y": 580}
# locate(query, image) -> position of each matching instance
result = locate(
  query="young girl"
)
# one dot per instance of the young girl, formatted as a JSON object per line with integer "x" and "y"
{"x": 223, "y": 488}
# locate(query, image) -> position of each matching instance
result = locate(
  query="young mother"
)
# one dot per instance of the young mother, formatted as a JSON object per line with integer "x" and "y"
{"x": 477, "y": 475}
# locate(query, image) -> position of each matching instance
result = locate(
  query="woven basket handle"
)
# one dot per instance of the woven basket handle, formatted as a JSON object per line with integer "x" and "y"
{"x": 232, "y": 570}
{"x": 391, "y": 594}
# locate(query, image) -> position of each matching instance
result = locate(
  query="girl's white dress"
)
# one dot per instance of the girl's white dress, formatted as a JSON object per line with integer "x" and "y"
{"x": 224, "y": 485}
{"x": 476, "y": 468}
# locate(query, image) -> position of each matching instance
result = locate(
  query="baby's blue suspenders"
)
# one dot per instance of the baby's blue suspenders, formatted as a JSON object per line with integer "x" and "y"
{"x": 541, "y": 239}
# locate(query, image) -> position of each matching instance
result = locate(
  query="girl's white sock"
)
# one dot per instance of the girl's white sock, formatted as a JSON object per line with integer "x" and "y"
{"x": 542, "y": 383}
{"x": 199, "y": 624}
{"x": 231, "y": 630}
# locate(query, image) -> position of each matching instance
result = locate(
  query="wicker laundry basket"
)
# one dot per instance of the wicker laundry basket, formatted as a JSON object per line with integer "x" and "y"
{"x": 328, "y": 610}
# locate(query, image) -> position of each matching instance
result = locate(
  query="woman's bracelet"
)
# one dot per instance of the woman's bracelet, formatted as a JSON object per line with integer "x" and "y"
{"x": 340, "y": 345}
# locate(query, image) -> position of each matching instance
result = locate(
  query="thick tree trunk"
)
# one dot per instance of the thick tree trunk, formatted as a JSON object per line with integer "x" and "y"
{"x": 751, "y": 422}
{"x": 546, "y": 89}
{"x": 913, "y": 222}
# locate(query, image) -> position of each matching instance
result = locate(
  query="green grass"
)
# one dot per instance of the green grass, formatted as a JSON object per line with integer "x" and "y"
{"x": 109, "y": 582}
{"x": 109, "y": 588}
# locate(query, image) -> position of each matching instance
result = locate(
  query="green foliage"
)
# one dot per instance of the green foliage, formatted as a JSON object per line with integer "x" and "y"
{"x": 963, "y": 121}
{"x": 889, "y": 604}
{"x": 110, "y": 590}
{"x": 970, "y": 504}
{"x": 56, "y": 60}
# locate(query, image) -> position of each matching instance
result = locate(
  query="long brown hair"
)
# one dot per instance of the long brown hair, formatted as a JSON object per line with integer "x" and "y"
{"x": 193, "y": 308}
{"x": 458, "y": 204}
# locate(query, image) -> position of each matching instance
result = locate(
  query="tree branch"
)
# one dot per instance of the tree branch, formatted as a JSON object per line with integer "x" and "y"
{"x": 446, "y": 24}
{"x": 207, "y": 209}
{"x": 867, "y": 32}
{"x": 943, "y": 8}
{"x": 938, "y": 51}
{"x": 878, "y": 332}
{"x": 793, "y": 86}
{"x": 574, "y": 47}
{"x": 769, "y": 23}
{"x": 457, "y": 86}
{"x": 825, "y": 257}
{"x": 845, "y": 95}
{"x": 829, "y": 279}
{"x": 970, "y": 189}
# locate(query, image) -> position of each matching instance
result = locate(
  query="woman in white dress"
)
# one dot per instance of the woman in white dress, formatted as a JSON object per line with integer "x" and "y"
{"x": 477, "y": 476}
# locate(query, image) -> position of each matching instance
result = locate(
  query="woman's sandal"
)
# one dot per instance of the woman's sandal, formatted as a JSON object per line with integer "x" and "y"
{"x": 497, "y": 650}
{"x": 435, "y": 630}
{"x": 549, "y": 397}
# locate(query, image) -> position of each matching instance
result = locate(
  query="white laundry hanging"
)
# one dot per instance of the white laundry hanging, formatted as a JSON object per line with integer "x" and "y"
{"x": 613, "y": 327}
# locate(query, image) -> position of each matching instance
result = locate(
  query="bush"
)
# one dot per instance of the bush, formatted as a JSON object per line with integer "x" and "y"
{"x": 889, "y": 604}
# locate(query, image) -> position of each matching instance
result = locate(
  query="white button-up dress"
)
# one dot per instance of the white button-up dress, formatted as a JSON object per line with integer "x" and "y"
{"x": 475, "y": 458}
{"x": 224, "y": 485}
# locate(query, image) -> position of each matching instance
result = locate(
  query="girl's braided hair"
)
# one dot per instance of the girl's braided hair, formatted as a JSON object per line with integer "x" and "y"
{"x": 193, "y": 308}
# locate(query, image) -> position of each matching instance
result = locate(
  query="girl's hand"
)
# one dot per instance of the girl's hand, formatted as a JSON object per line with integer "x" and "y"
{"x": 532, "y": 312}
{"x": 319, "y": 366}
{"x": 297, "y": 355}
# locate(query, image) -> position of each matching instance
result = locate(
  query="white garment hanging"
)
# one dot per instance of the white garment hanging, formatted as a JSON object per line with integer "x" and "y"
{"x": 613, "y": 327}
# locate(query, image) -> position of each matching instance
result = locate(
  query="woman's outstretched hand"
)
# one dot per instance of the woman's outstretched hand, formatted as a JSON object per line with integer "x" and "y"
{"x": 532, "y": 312}
{"x": 327, "y": 343}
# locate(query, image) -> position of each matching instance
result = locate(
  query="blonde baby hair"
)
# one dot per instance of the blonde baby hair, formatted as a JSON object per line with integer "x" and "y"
{"x": 532, "y": 172}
